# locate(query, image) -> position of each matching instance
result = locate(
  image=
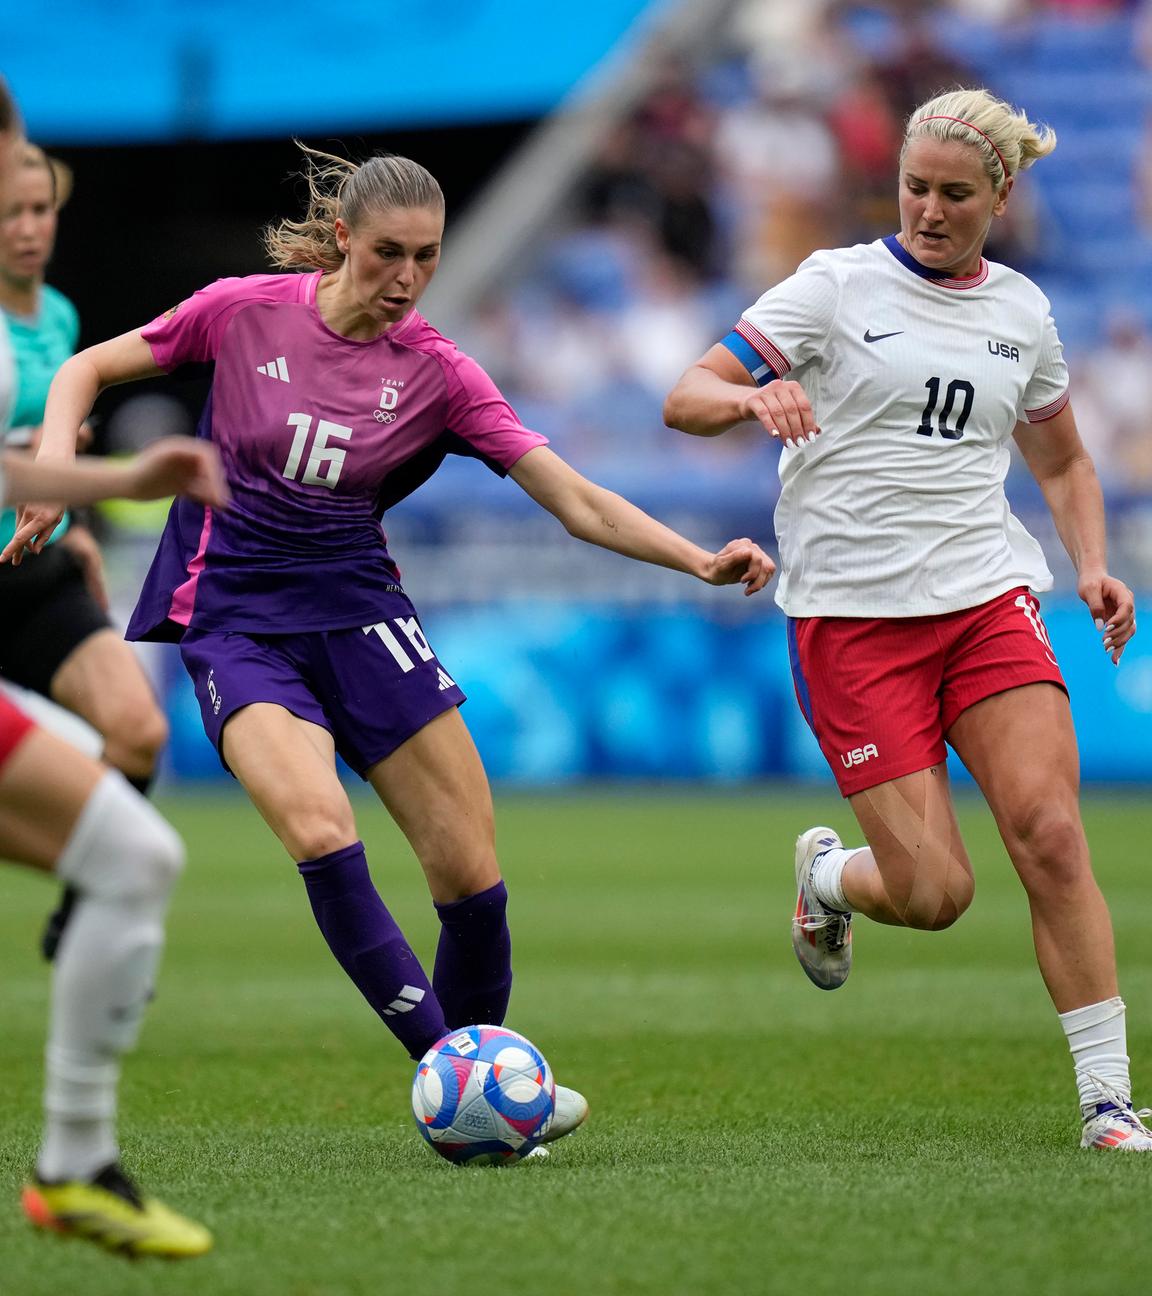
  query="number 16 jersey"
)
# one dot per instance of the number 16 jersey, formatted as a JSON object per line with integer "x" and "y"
{"x": 917, "y": 382}
{"x": 318, "y": 434}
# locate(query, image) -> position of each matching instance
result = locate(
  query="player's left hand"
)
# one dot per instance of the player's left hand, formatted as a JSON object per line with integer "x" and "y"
{"x": 34, "y": 526}
{"x": 1113, "y": 608}
{"x": 743, "y": 561}
{"x": 81, "y": 544}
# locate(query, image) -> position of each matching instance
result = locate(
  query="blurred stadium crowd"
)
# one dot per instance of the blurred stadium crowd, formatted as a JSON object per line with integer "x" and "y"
{"x": 731, "y": 170}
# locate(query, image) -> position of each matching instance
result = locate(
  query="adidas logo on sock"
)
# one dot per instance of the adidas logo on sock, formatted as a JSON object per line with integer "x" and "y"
{"x": 277, "y": 368}
{"x": 405, "y": 1001}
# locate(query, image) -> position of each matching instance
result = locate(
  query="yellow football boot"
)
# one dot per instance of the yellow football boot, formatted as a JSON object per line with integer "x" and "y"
{"x": 109, "y": 1211}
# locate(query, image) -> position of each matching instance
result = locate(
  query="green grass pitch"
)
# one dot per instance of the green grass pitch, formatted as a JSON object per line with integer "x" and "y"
{"x": 914, "y": 1132}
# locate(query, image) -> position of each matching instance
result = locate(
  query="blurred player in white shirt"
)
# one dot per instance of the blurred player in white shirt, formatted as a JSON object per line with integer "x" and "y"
{"x": 63, "y": 812}
{"x": 894, "y": 374}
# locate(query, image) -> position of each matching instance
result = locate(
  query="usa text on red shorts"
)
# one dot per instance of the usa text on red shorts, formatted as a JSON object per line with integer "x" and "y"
{"x": 880, "y": 694}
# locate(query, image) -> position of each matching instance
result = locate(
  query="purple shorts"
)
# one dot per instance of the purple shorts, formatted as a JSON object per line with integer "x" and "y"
{"x": 372, "y": 688}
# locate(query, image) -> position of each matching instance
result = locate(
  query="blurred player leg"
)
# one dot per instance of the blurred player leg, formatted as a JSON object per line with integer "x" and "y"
{"x": 1021, "y": 748}
{"x": 59, "y": 808}
{"x": 53, "y": 717}
{"x": 104, "y": 684}
{"x": 101, "y": 681}
{"x": 287, "y": 767}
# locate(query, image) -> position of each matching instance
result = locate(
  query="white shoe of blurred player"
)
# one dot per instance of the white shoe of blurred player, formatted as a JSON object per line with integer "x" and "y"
{"x": 821, "y": 937}
{"x": 1121, "y": 1128}
{"x": 571, "y": 1112}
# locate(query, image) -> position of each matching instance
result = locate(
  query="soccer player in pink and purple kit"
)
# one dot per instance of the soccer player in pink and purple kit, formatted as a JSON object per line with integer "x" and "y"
{"x": 332, "y": 399}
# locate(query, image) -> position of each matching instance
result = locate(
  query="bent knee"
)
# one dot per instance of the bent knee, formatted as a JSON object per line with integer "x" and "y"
{"x": 947, "y": 915}
{"x": 938, "y": 906}
{"x": 152, "y": 848}
{"x": 122, "y": 847}
{"x": 134, "y": 737}
{"x": 310, "y": 834}
{"x": 1049, "y": 849}
{"x": 458, "y": 859}
{"x": 457, "y": 876}
{"x": 162, "y": 858}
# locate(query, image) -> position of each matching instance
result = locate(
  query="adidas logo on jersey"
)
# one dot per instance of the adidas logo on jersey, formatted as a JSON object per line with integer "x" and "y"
{"x": 277, "y": 368}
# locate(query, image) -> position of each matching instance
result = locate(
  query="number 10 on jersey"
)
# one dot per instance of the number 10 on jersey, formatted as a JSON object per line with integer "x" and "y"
{"x": 958, "y": 387}
{"x": 324, "y": 461}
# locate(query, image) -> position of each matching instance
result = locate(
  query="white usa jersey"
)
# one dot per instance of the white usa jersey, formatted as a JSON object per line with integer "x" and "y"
{"x": 898, "y": 508}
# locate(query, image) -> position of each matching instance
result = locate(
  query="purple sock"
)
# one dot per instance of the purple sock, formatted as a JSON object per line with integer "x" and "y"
{"x": 371, "y": 948}
{"x": 473, "y": 972}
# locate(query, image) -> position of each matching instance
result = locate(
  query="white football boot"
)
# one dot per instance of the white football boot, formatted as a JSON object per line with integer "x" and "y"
{"x": 821, "y": 937}
{"x": 1121, "y": 1128}
{"x": 570, "y": 1113}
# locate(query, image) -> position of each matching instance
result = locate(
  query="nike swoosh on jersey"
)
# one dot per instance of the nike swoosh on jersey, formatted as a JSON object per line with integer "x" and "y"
{"x": 869, "y": 336}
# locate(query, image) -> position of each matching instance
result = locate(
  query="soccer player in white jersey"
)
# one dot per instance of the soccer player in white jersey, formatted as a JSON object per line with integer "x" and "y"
{"x": 894, "y": 375}
{"x": 64, "y": 812}
{"x": 332, "y": 399}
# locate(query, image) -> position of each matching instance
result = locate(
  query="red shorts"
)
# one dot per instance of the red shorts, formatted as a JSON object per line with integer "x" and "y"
{"x": 880, "y": 695}
{"x": 15, "y": 726}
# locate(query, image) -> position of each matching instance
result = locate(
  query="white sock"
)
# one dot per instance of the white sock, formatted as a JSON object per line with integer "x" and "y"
{"x": 827, "y": 877}
{"x": 1098, "y": 1040}
{"x": 124, "y": 858}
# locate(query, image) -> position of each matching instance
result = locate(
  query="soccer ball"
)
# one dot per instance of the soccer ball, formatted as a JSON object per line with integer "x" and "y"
{"x": 483, "y": 1096}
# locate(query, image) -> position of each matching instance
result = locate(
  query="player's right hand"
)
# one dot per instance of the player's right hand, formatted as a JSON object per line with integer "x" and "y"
{"x": 740, "y": 560}
{"x": 178, "y": 466}
{"x": 784, "y": 411}
{"x": 34, "y": 526}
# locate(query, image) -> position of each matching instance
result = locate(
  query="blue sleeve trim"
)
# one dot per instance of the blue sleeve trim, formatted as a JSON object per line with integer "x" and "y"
{"x": 750, "y": 358}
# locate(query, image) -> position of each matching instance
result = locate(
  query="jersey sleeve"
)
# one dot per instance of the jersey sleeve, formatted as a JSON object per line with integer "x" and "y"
{"x": 190, "y": 332}
{"x": 480, "y": 416}
{"x": 789, "y": 324}
{"x": 1047, "y": 391}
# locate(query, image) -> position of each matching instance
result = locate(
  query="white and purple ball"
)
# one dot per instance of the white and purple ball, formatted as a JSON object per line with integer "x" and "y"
{"x": 483, "y": 1095}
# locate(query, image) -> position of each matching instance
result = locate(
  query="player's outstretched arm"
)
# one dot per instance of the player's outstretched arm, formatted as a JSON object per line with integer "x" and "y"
{"x": 589, "y": 512}
{"x": 172, "y": 466}
{"x": 79, "y": 380}
{"x": 717, "y": 392}
{"x": 1058, "y": 460}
